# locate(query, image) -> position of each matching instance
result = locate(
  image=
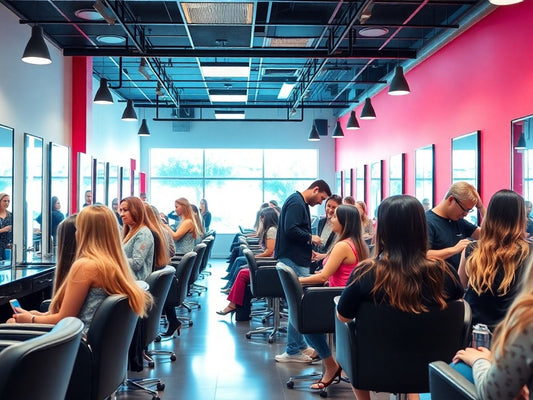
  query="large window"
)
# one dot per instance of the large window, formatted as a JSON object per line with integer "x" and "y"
{"x": 235, "y": 182}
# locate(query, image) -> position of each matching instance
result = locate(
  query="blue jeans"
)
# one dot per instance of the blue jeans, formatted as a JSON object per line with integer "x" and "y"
{"x": 318, "y": 342}
{"x": 295, "y": 340}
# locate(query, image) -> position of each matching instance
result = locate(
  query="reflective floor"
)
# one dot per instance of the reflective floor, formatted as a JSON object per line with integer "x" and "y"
{"x": 216, "y": 361}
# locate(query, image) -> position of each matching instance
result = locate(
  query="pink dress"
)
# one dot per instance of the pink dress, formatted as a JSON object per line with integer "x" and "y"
{"x": 340, "y": 277}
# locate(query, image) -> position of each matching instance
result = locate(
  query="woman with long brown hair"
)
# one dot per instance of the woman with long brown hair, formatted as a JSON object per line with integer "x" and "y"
{"x": 491, "y": 268}
{"x": 162, "y": 251}
{"x": 399, "y": 274}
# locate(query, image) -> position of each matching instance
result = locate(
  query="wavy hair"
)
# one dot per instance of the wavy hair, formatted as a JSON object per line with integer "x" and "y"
{"x": 402, "y": 269}
{"x": 99, "y": 242}
{"x": 188, "y": 214}
{"x": 153, "y": 223}
{"x": 501, "y": 245}
{"x": 349, "y": 218}
{"x": 136, "y": 209}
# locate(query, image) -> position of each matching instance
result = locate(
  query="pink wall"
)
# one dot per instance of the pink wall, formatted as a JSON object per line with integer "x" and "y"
{"x": 480, "y": 81}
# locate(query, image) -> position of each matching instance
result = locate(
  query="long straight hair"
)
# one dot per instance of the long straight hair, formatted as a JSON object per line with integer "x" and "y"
{"x": 400, "y": 263}
{"x": 501, "y": 246}
{"x": 268, "y": 219}
{"x": 136, "y": 209}
{"x": 350, "y": 220}
{"x": 152, "y": 222}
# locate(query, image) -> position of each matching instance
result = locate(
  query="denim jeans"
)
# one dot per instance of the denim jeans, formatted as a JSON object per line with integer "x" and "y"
{"x": 318, "y": 342}
{"x": 295, "y": 340}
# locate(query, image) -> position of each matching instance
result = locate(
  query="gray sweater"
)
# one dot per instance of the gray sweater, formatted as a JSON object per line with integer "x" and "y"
{"x": 139, "y": 251}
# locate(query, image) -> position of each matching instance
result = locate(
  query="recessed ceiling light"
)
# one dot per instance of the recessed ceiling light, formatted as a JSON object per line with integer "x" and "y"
{"x": 221, "y": 114}
{"x": 111, "y": 39}
{"x": 225, "y": 70}
{"x": 373, "y": 32}
{"x": 216, "y": 95}
{"x": 89, "y": 14}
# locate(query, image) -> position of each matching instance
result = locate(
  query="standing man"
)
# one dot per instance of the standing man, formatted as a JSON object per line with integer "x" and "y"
{"x": 448, "y": 231}
{"x": 88, "y": 198}
{"x": 294, "y": 243}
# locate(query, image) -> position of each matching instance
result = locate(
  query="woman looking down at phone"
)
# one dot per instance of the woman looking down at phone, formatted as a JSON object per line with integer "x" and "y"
{"x": 99, "y": 270}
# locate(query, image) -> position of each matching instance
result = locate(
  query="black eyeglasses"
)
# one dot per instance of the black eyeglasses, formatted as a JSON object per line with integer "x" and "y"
{"x": 466, "y": 210}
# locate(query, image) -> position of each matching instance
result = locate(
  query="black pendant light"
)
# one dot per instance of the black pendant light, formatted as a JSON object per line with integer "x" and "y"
{"x": 129, "y": 113}
{"x": 103, "y": 95}
{"x": 337, "y": 132}
{"x": 352, "y": 123}
{"x": 143, "y": 130}
{"x": 36, "y": 51}
{"x": 368, "y": 111}
{"x": 399, "y": 85}
{"x": 314, "y": 136}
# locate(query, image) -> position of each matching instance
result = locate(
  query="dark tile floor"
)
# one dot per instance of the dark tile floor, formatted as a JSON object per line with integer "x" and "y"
{"x": 215, "y": 361}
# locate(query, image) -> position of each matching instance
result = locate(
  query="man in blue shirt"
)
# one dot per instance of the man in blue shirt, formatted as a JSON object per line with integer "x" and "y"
{"x": 294, "y": 243}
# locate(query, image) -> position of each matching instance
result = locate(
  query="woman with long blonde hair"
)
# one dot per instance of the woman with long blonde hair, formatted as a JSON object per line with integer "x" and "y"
{"x": 137, "y": 239}
{"x": 187, "y": 231}
{"x": 100, "y": 270}
{"x": 368, "y": 225}
{"x": 491, "y": 268}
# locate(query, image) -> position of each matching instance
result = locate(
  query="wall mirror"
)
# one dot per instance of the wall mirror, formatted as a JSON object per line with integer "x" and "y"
{"x": 360, "y": 183}
{"x": 59, "y": 167}
{"x": 425, "y": 176}
{"x": 522, "y": 163}
{"x": 376, "y": 187}
{"x": 113, "y": 184}
{"x": 466, "y": 164}
{"x": 338, "y": 182}
{"x": 396, "y": 174}
{"x": 6, "y": 187}
{"x": 85, "y": 179}
{"x": 136, "y": 183}
{"x": 347, "y": 185}
{"x": 99, "y": 195}
{"x": 35, "y": 223}
{"x": 126, "y": 183}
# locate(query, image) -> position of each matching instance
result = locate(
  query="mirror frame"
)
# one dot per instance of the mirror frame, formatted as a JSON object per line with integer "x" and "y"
{"x": 113, "y": 189}
{"x": 99, "y": 182}
{"x": 422, "y": 171}
{"x": 4, "y": 263}
{"x": 338, "y": 182}
{"x": 65, "y": 201}
{"x": 518, "y": 128}
{"x": 376, "y": 194}
{"x": 394, "y": 176}
{"x": 360, "y": 183}
{"x": 84, "y": 158}
{"x": 347, "y": 182}
{"x": 126, "y": 183}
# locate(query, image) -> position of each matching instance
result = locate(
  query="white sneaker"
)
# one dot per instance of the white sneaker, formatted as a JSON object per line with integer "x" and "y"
{"x": 299, "y": 358}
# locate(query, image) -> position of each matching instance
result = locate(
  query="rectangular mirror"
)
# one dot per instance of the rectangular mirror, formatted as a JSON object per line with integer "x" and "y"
{"x": 338, "y": 182}
{"x": 522, "y": 153}
{"x": 425, "y": 176}
{"x": 59, "y": 167}
{"x": 465, "y": 164}
{"x": 360, "y": 183}
{"x": 99, "y": 195}
{"x": 113, "y": 184}
{"x": 376, "y": 187}
{"x": 347, "y": 183}
{"x": 136, "y": 183}
{"x": 6, "y": 196}
{"x": 85, "y": 180}
{"x": 396, "y": 174}
{"x": 34, "y": 220}
{"x": 126, "y": 183}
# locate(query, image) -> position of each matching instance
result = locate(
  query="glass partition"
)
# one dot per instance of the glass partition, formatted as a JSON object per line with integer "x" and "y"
{"x": 6, "y": 196}
{"x": 465, "y": 164}
{"x": 35, "y": 223}
{"x": 376, "y": 188}
{"x": 425, "y": 176}
{"x": 396, "y": 174}
{"x": 85, "y": 180}
{"x": 59, "y": 167}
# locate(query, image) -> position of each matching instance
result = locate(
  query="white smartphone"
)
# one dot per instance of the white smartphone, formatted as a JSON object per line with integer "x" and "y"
{"x": 14, "y": 305}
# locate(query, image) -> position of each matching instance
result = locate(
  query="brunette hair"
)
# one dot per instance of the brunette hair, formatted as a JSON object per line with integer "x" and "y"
{"x": 349, "y": 218}
{"x": 136, "y": 209}
{"x": 349, "y": 200}
{"x": 336, "y": 198}
{"x": 268, "y": 219}
{"x": 400, "y": 263}
{"x": 321, "y": 185}
{"x": 153, "y": 223}
{"x": 501, "y": 247}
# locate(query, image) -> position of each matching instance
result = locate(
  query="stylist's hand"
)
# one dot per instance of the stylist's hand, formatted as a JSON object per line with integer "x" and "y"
{"x": 470, "y": 355}
{"x": 461, "y": 245}
{"x": 315, "y": 239}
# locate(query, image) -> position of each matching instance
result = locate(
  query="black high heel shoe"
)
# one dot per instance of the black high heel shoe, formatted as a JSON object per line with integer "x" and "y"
{"x": 172, "y": 327}
{"x": 227, "y": 310}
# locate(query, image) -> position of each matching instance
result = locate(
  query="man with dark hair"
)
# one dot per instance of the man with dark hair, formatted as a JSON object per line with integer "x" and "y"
{"x": 294, "y": 243}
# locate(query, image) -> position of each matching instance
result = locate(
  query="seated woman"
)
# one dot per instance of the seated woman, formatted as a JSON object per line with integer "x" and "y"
{"x": 162, "y": 249}
{"x": 400, "y": 273}
{"x": 338, "y": 265}
{"x": 506, "y": 372}
{"x": 268, "y": 225}
{"x": 368, "y": 225}
{"x": 491, "y": 268}
{"x": 100, "y": 270}
{"x": 326, "y": 233}
{"x": 138, "y": 242}
{"x": 206, "y": 214}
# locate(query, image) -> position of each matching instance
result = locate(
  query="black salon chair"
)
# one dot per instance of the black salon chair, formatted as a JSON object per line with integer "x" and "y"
{"x": 386, "y": 350}
{"x": 205, "y": 262}
{"x": 264, "y": 282}
{"x": 445, "y": 383}
{"x": 311, "y": 309}
{"x": 39, "y": 367}
{"x": 199, "y": 249}
{"x": 179, "y": 286}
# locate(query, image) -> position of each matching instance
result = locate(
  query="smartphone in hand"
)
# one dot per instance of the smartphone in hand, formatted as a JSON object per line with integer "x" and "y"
{"x": 14, "y": 305}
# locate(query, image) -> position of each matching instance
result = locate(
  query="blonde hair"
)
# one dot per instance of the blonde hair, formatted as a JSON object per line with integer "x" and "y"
{"x": 98, "y": 240}
{"x": 463, "y": 191}
{"x": 152, "y": 222}
{"x": 188, "y": 214}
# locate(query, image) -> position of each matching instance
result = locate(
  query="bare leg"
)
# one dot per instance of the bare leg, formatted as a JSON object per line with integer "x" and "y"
{"x": 361, "y": 394}
{"x": 331, "y": 368}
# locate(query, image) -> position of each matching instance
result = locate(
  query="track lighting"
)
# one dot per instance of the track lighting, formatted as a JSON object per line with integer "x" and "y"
{"x": 129, "y": 113}
{"x": 337, "y": 132}
{"x": 368, "y": 111}
{"x": 399, "y": 85}
{"x": 314, "y": 136}
{"x": 143, "y": 130}
{"x": 103, "y": 95}
{"x": 352, "y": 123}
{"x": 36, "y": 51}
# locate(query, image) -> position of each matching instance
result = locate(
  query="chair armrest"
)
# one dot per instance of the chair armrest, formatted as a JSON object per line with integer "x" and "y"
{"x": 19, "y": 335}
{"x": 26, "y": 327}
{"x": 446, "y": 383}
{"x": 318, "y": 301}
{"x": 345, "y": 346}
{"x": 266, "y": 261}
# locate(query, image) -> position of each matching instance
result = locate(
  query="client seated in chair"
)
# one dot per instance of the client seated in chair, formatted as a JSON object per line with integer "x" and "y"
{"x": 100, "y": 269}
{"x": 506, "y": 372}
{"x": 400, "y": 274}
{"x": 268, "y": 228}
{"x": 338, "y": 265}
